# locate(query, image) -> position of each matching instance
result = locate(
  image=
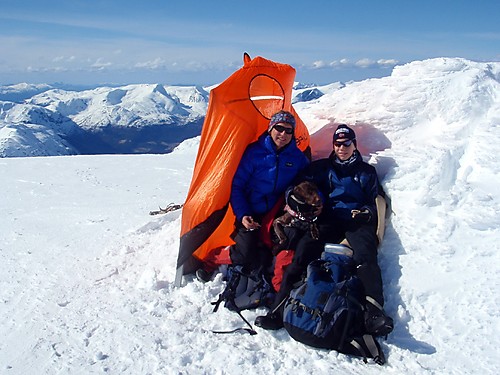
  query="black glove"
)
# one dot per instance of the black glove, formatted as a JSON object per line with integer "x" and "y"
{"x": 361, "y": 216}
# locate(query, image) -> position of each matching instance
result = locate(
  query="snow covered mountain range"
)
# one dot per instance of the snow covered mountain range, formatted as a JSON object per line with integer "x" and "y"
{"x": 39, "y": 120}
{"x": 42, "y": 120}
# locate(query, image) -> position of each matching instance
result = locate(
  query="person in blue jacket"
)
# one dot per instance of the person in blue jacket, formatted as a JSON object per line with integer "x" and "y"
{"x": 267, "y": 168}
{"x": 349, "y": 187}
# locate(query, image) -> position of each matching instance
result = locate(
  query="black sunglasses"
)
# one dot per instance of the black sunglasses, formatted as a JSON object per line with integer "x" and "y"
{"x": 281, "y": 129}
{"x": 346, "y": 143}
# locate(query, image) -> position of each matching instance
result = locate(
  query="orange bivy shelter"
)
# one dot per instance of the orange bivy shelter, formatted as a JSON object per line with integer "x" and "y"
{"x": 239, "y": 111}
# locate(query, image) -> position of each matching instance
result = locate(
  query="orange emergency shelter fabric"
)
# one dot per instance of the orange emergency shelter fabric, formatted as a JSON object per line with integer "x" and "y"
{"x": 238, "y": 112}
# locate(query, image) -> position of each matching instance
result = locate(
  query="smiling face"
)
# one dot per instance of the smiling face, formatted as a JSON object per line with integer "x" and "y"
{"x": 281, "y": 134}
{"x": 344, "y": 149}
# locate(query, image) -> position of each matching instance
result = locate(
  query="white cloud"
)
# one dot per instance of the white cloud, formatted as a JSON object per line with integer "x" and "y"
{"x": 64, "y": 58}
{"x": 151, "y": 64}
{"x": 52, "y": 69}
{"x": 365, "y": 63}
{"x": 339, "y": 63}
{"x": 387, "y": 63}
{"x": 361, "y": 63}
{"x": 100, "y": 64}
{"x": 319, "y": 65}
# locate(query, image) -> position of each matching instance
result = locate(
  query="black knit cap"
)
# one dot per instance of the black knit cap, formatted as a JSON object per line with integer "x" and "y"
{"x": 344, "y": 132}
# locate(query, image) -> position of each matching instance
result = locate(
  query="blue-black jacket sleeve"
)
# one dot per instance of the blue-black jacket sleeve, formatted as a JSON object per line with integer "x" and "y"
{"x": 241, "y": 206}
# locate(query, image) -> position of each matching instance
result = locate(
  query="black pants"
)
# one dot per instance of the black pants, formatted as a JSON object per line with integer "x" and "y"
{"x": 362, "y": 239}
{"x": 248, "y": 250}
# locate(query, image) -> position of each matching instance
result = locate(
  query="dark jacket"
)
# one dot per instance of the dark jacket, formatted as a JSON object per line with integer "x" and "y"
{"x": 345, "y": 186}
{"x": 263, "y": 175}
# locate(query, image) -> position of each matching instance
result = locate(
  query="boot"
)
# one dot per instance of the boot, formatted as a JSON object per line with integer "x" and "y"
{"x": 203, "y": 275}
{"x": 271, "y": 321}
{"x": 377, "y": 322}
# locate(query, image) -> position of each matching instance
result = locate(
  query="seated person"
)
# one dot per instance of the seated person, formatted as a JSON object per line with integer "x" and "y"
{"x": 265, "y": 171}
{"x": 349, "y": 187}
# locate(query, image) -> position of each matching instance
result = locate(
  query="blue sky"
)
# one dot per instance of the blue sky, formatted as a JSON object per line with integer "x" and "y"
{"x": 202, "y": 42}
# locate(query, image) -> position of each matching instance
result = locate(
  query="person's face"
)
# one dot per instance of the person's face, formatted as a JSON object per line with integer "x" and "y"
{"x": 344, "y": 148}
{"x": 282, "y": 134}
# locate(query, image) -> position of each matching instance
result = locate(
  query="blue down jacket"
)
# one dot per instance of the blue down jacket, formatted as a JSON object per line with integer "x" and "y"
{"x": 263, "y": 175}
{"x": 345, "y": 186}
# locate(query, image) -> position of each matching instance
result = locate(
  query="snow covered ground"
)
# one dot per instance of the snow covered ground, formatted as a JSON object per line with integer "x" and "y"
{"x": 86, "y": 275}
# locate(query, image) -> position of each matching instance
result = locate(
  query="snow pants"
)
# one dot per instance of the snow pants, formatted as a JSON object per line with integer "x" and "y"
{"x": 248, "y": 250}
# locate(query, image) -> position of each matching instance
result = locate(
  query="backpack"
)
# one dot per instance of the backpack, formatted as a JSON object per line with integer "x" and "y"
{"x": 244, "y": 291}
{"x": 326, "y": 310}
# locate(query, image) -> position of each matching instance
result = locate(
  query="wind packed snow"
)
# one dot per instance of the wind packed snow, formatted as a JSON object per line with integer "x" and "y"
{"x": 87, "y": 274}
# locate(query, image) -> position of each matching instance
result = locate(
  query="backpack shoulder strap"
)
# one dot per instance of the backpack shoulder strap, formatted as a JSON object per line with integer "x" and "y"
{"x": 228, "y": 294}
{"x": 368, "y": 343}
{"x": 249, "y": 330}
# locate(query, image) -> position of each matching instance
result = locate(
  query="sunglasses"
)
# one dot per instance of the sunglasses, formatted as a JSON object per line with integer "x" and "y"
{"x": 346, "y": 143}
{"x": 281, "y": 129}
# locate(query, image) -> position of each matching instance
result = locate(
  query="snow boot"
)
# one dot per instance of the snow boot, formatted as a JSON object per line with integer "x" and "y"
{"x": 203, "y": 275}
{"x": 271, "y": 321}
{"x": 377, "y": 322}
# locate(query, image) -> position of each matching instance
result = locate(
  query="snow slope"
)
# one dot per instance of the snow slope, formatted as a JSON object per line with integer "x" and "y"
{"x": 87, "y": 275}
{"x": 21, "y": 91}
{"x": 42, "y": 120}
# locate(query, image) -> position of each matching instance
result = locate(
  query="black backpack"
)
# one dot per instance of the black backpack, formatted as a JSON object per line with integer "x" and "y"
{"x": 243, "y": 291}
{"x": 326, "y": 310}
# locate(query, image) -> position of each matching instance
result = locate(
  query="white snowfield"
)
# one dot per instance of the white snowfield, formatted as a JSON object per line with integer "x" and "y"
{"x": 87, "y": 275}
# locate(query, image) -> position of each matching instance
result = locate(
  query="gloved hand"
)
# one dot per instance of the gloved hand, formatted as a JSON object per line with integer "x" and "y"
{"x": 361, "y": 216}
